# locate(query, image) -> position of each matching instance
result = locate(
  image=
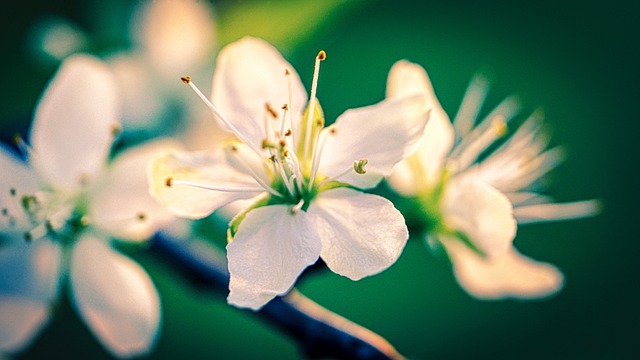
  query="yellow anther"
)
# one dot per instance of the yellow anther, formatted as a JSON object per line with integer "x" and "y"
{"x": 358, "y": 166}
{"x": 17, "y": 139}
{"x": 116, "y": 129}
{"x": 500, "y": 125}
{"x": 271, "y": 110}
{"x": 168, "y": 182}
{"x": 322, "y": 55}
{"x": 266, "y": 144}
{"x": 186, "y": 79}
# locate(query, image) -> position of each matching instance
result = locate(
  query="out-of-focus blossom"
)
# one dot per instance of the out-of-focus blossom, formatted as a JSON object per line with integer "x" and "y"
{"x": 170, "y": 38}
{"x": 167, "y": 38}
{"x": 472, "y": 201}
{"x": 61, "y": 208}
{"x": 304, "y": 177}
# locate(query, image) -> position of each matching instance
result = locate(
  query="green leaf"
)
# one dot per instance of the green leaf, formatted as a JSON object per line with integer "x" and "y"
{"x": 282, "y": 23}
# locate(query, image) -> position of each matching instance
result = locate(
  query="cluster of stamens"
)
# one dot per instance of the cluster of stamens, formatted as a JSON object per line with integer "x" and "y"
{"x": 293, "y": 170}
{"x": 44, "y": 211}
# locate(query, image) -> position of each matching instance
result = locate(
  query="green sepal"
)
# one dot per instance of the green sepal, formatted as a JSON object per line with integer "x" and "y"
{"x": 234, "y": 224}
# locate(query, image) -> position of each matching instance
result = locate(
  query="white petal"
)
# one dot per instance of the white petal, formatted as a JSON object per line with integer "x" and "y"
{"x": 206, "y": 168}
{"x": 177, "y": 35}
{"x": 141, "y": 100}
{"x": 249, "y": 74}
{"x": 423, "y": 170}
{"x": 21, "y": 319}
{"x": 17, "y": 180}
{"x": 508, "y": 275}
{"x": 269, "y": 251}
{"x": 480, "y": 212}
{"x": 361, "y": 234}
{"x": 115, "y": 297}
{"x": 384, "y": 134}
{"x": 30, "y": 270}
{"x": 74, "y": 122}
{"x": 122, "y": 204}
{"x": 29, "y": 282}
{"x": 202, "y": 132}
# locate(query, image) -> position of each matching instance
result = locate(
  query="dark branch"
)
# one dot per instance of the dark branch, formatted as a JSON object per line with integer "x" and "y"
{"x": 319, "y": 332}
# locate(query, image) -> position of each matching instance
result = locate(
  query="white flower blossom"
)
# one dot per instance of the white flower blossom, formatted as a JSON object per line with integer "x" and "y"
{"x": 473, "y": 201}
{"x": 61, "y": 207}
{"x": 165, "y": 39}
{"x": 304, "y": 176}
{"x": 169, "y": 37}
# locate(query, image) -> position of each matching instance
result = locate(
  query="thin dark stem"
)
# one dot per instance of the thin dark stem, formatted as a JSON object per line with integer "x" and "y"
{"x": 318, "y": 331}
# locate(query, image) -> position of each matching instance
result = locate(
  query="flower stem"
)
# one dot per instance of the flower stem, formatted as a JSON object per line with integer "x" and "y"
{"x": 319, "y": 332}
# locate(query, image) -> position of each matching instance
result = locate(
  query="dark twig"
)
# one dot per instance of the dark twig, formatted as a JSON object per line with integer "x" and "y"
{"x": 320, "y": 332}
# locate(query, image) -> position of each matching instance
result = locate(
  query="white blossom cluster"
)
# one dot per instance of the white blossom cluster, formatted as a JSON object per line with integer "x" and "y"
{"x": 305, "y": 185}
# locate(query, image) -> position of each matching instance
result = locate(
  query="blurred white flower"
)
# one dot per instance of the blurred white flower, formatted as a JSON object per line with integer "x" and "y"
{"x": 60, "y": 209}
{"x": 471, "y": 200}
{"x": 304, "y": 176}
{"x": 168, "y": 38}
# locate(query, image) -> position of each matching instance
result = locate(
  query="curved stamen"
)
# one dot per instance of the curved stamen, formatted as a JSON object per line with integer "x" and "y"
{"x": 470, "y": 107}
{"x": 284, "y": 134}
{"x": 295, "y": 167}
{"x": 317, "y": 154}
{"x": 283, "y": 175}
{"x": 471, "y": 152}
{"x": 556, "y": 211}
{"x": 216, "y": 113}
{"x": 358, "y": 167}
{"x": 297, "y": 207}
{"x": 170, "y": 182}
{"x": 291, "y": 105}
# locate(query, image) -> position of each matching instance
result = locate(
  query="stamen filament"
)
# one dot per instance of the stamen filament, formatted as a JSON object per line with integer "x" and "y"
{"x": 556, "y": 212}
{"x": 22, "y": 145}
{"x": 261, "y": 182}
{"x": 315, "y": 160}
{"x": 297, "y": 207}
{"x": 284, "y": 177}
{"x": 296, "y": 171}
{"x": 290, "y": 107}
{"x": 229, "y": 126}
{"x": 348, "y": 170}
{"x": 38, "y": 232}
{"x": 470, "y": 107}
{"x": 282, "y": 123}
{"x": 480, "y": 143}
{"x": 312, "y": 101}
{"x": 506, "y": 109}
{"x": 215, "y": 187}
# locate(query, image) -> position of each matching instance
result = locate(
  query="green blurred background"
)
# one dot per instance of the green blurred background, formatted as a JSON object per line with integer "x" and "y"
{"x": 576, "y": 59}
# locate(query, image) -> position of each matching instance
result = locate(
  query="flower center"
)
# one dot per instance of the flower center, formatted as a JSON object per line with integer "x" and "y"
{"x": 292, "y": 168}
{"x": 39, "y": 214}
